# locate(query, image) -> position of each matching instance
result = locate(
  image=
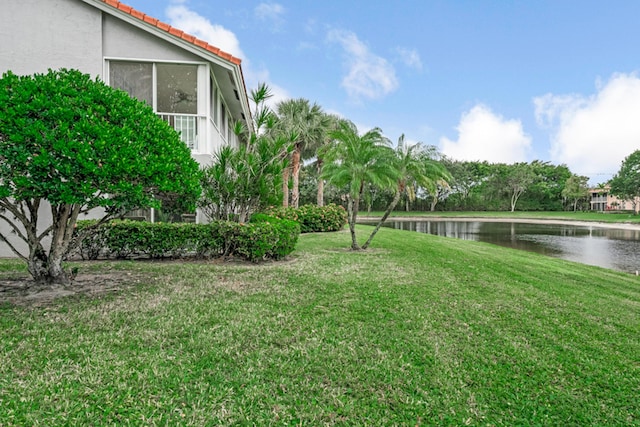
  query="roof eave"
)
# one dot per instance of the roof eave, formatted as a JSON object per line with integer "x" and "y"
{"x": 179, "y": 38}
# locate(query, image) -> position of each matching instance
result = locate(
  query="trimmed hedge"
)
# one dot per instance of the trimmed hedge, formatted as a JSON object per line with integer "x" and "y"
{"x": 265, "y": 238}
{"x": 313, "y": 218}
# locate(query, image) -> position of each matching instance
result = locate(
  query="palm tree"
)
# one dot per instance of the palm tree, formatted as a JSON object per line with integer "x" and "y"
{"x": 306, "y": 123}
{"x": 414, "y": 165}
{"x": 319, "y": 149}
{"x": 356, "y": 160}
{"x": 246, "y": 179}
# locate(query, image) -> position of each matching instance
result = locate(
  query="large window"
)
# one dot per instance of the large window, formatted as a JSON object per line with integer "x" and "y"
{"x": 174, "y": 95}
{"x": 135, "y": 79}
{"x": 177, "y": 88}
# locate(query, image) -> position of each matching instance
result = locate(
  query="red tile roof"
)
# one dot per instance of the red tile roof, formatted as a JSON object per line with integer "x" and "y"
{"x": 172, "y": 30}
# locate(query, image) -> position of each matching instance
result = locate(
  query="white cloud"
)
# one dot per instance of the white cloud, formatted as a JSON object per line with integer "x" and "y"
{"x": 410, "y": 57}
{"x": 369, "y": 76}
{"x": 262, "y": 76}
{"x": 190, "y": 22}
{"x": 592, "y": 135}
{"x": 484, "y": 135}
{"x": 271, "y": 13}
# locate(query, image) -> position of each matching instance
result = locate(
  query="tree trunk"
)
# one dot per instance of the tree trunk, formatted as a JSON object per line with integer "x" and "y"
{"x": 37, "y": 264}
{"x": 352, "y": 224}
{"x": 434, "y": 202}
{"x": 320, "y": 194}
{"x": 45, "y": 269}
{"x": 353, "y": 207}
{"x": 57, "y": 274}
{"x": 514, "y": 198}
{"x": 392, "y": 205}
{"x": 295, "y": 165}
{"x": 285, "y": 187}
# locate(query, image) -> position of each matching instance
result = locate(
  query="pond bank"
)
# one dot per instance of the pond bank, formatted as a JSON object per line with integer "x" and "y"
{"x": 616, "y": 225}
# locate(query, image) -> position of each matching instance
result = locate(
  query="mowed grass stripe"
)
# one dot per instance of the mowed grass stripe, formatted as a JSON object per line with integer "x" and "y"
{"x": 417, "y": 330}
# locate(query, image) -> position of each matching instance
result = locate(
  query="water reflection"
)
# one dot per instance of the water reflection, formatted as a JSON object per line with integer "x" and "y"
{"x": 605, "y": 247}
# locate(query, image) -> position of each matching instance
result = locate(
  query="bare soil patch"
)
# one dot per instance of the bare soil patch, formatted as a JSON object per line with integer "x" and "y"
{"x": 24, "y": 291}
{"x": 20, "y": 289}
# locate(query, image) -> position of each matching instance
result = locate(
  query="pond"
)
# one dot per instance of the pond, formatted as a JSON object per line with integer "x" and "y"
{"x": 612, "y": 248}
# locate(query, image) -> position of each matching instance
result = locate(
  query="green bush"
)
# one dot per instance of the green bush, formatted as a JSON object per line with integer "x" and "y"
{"x": 266, "y": 238}
{"x": 279, "y": 236}
{"x": 280, "y": 212}
{"x": 313, "y": 218}
{"x": 94, "y": 244}
{"x": 326, "y": 218}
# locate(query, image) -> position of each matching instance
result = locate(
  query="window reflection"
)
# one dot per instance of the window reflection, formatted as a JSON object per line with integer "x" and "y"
{"x": 177, "y": 88}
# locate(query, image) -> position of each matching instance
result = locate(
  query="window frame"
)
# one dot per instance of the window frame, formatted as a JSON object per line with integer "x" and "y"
{"x": 202, "y": 96}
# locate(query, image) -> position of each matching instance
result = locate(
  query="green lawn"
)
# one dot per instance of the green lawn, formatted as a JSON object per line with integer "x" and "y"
{"x": 570, "y": 216}
{"x": 419, "y": 330}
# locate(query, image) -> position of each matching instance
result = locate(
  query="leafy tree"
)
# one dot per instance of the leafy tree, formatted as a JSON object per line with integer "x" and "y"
{"x": 510, "y": 181}
{"x": 518, "y": 179}
{"x": 481, "y": 185}
{"x": 462, "y": 178}
{"x": 70, "y": 144}
{"x": 356, "y": 160}
{"x": 545, "y": 192}
{"x": 466, "y": 182}
{"x": 626, "y": 183}
{"x": 575, "y": 189}
{"x": 410, "y": 164}
{"x": 493, "y": 191}
{"x": 247, "y": 179}
{"x": 306, "y": 125}
{"x": 439, "y": 193}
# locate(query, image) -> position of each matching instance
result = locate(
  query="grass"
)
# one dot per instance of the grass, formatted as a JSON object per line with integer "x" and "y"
{"x": 610, "y": 217}
{"x": 420, "y": 330}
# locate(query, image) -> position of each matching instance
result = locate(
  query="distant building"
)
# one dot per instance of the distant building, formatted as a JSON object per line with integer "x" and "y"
{"x": 602, "y": 200}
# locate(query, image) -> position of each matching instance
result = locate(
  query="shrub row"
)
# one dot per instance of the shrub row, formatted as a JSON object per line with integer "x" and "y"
{"x": 313, "y": 218}
{"x": 265, "y": 238}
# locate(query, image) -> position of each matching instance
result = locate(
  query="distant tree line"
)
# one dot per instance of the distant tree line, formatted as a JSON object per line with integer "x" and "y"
{"x": 478, "y": 186}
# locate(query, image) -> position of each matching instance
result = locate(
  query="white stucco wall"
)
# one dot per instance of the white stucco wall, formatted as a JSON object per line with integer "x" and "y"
{"x": 44, "y": 219}
{"x": 36, "y": 35}
{"x": 123, "y": 40}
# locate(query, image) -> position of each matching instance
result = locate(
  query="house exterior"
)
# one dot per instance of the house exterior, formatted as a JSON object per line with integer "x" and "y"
{"x": 602, "y": 200}
{"x": 194, "y": 86}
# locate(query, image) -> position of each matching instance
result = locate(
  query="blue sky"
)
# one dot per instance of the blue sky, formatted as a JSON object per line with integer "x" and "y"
{"x": 500, "y": 80}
